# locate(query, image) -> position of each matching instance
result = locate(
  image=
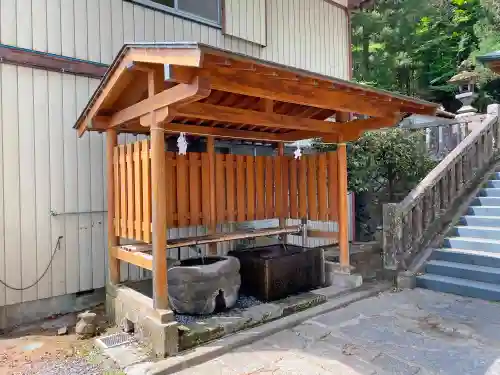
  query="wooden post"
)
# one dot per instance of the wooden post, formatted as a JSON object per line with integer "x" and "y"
{"x": 213, "y": 219}
{"x": 113, "y": 263}
{"x": 159, "y": 201}
{"x": 343, "y": 207}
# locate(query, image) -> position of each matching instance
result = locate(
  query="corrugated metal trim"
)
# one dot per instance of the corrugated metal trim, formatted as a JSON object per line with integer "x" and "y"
{"x": 48, "y": 61}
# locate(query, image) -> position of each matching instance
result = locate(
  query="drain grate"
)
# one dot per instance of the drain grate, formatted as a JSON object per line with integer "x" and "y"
{"x": 115, "y": 339}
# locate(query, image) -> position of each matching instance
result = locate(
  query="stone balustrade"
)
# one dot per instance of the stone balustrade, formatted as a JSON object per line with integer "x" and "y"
{"x": 411, "y": 225}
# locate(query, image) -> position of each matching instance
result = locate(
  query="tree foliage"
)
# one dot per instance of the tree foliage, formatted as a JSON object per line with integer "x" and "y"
{"x": 393, "y": 160}
{"x": 414, "y": 47}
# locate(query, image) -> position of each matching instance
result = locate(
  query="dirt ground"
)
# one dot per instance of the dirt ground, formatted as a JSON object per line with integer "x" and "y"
{"x": 38, "y": 349}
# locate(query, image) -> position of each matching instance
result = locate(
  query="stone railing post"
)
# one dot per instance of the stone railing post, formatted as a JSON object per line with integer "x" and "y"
{"x": 392, "y": 235}
{"x": 494, "y": 110}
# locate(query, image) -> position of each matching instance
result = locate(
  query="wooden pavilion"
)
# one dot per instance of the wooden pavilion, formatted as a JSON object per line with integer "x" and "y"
{"x": 164, "y": 89}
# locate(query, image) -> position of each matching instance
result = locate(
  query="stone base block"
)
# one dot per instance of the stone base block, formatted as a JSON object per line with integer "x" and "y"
{"x": 406, "y": 280}
{"x": 339, "y": 277}
{"x": 128, "y": 309}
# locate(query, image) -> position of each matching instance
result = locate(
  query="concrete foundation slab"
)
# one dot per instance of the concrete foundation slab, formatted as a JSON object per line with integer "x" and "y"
{"x": 155, "y": 328}
{"x": 336, "y": 276}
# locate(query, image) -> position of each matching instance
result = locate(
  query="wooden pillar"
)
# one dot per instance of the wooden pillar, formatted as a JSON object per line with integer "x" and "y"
{"x": 113, "y": 263}
{"x": 213, "y": 219}
{"x": 159, "y": 208}
{"x": 159, "y": 200}
{"x": 343, "y": 207}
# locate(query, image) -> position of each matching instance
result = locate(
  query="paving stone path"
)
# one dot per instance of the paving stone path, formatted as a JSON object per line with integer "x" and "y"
{"x": 414, "y": 332}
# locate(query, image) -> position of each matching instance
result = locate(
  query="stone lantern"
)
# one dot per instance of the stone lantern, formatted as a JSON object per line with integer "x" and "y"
{"x": 466, "y": 81}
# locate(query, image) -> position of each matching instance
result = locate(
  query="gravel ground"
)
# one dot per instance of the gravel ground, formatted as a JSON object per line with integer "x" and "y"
{"x": 243, "y": 302}
{"x": 92, "y": 363}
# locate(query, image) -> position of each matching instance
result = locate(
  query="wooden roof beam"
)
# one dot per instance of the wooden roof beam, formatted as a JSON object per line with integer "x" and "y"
{"x": 192, "y": 57}
{"x": 180, "y": 94}
{"x": 110, "y": 92}
{"x": 221, "y": 132}
{"x": 345, "y": 131}
{"x": 245, "y": 116}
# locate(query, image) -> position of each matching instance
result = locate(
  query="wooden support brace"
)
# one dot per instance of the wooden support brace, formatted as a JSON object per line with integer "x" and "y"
{"x": 136, "y": 258}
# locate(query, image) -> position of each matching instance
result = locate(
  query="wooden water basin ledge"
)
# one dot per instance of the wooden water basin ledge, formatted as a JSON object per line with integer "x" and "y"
{"x": 161, "y": 90}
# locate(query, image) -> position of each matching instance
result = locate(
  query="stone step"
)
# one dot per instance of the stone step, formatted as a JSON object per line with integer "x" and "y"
{"x": 472, "y": 257}
{"x": 486, "y": 233}
{"x": 464, "y": 271}
{"x": 469, "y": 243}
{"x": 480, "y": 221}
{"x": 489, "y": 192}
{"x": 484, "y": 210}
{"x": 461, "y": 287}
{"x": 486, "y": 201}
{"x": 493, "y": 183}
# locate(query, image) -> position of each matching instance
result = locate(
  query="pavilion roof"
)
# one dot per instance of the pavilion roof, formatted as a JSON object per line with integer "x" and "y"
{"x": 210, "y": 91}
{"x": 492, "y": 60}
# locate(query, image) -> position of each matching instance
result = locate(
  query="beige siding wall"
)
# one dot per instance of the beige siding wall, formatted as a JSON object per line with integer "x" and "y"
{"x": 246, "y": 20}
{"x": 44, "y": 168}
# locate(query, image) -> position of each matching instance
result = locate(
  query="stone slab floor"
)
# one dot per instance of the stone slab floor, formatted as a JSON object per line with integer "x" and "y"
{"x": 405, "y": 333}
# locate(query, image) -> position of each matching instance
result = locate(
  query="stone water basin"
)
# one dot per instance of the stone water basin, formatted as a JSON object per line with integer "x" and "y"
{"x": 204, "y": 285}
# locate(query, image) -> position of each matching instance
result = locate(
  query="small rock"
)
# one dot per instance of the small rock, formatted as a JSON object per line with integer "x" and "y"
{"x": 62, "y": 331}
{"x": 85, "y": 327}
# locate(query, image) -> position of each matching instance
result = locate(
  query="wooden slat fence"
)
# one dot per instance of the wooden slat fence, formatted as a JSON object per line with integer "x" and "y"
{"x": 245, "y": 189}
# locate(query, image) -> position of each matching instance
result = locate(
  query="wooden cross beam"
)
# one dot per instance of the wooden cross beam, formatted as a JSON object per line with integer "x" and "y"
{"x": 185, "y": 93}
{"x": 246, "y": 116}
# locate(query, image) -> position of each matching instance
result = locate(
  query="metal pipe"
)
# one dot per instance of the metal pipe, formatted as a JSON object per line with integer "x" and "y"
{"x": 55, "y": 213}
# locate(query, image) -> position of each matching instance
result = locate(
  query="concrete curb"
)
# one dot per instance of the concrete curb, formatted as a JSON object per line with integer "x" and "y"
{"x": 215, "y": 349}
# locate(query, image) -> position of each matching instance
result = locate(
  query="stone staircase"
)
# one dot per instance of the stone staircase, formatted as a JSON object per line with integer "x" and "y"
{"x": 468, "y": 263}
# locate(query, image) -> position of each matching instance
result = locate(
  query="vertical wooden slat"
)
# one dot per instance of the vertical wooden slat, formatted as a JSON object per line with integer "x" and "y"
{"x": 312, "y": 187}
{"x": 303, "y": 187}
{"x": 194, "y": 188}
{"x": 220, "y": 188}
{"x": 170, "y": 189}
{"x": 322, "y": 190}
{"x": 332, "y": 186}
{"x": 230, "y": 188}
{"x": 260, "y": 188}
{"x": 116, "y": 173}
{"x": 205, "y": 181}
{"x": 278, "y": 183}
{"x": 294, "y": 194}
{"x": 240, "y": 187}
{"x": 123, "y": 194}
{"x": 285, "y": 187}
{"x": 130, "y": 190}
{"x": 138, "y": 191}
{"x": 113, "y": 203}
{"x": 146, "y": 191}
{"x": 213, "y": 214}
{"x": 182, "y": 191}
{"x": 250, "y": 169}
{"x": 269, "y": 187}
